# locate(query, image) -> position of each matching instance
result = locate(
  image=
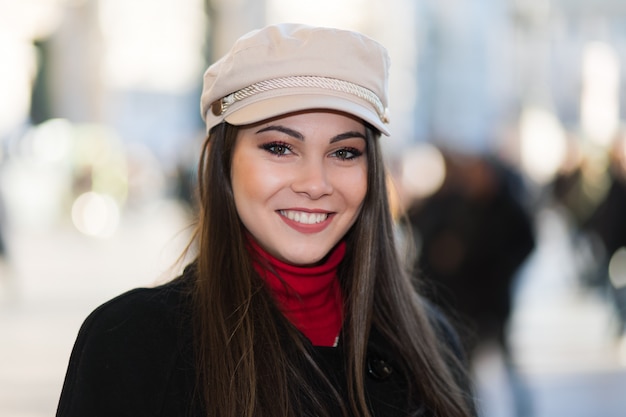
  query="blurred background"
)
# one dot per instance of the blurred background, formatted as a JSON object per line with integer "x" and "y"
{"x": 508, "y": 155}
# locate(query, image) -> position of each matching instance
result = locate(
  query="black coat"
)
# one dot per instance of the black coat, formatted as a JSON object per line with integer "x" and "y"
{"x": 133, "y": 357}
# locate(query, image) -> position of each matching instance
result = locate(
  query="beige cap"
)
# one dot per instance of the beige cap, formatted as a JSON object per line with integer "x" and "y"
{"x": 290, "y": 67}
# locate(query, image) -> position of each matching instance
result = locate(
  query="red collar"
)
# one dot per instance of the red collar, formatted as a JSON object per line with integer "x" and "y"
{"x": 310, "y": 297}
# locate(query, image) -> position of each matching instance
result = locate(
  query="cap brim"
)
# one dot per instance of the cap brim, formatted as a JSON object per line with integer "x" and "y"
{"x": 268, "y": 107}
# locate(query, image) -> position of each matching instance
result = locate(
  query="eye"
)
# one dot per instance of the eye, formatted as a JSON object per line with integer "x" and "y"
{"x": 277, "y": 148}
{"x": 347, "y": 153}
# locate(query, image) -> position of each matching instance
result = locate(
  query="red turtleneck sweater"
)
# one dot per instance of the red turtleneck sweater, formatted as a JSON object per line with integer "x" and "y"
{"x": 310, "y": 297}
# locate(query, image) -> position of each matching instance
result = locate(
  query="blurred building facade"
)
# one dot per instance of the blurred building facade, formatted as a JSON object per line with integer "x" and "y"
{"x": 517, "y": 78}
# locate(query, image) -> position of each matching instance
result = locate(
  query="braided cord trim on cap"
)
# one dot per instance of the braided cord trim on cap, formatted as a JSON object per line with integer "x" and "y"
{"x": 220, "y": 106}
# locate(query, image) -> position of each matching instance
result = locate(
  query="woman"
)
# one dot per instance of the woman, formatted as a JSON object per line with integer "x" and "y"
{"x": 296, "y": 303}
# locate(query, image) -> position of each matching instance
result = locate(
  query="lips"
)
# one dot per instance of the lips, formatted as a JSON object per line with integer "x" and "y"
{"x": 305, "y": 218}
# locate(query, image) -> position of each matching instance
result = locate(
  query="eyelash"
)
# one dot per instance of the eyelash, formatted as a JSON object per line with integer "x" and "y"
{"x": 285, "y": 147}
{"x": 271, "y": 148}
{"x": 354, "y": 151}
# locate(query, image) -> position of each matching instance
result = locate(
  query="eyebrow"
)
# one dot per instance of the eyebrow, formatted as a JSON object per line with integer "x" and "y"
{"x": 348, "y": 135}
{"x": 297, "y": 135}
{"x": 284, "y": 130}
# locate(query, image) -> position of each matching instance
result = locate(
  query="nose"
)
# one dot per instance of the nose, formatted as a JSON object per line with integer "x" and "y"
{"x": 313, "y": 180}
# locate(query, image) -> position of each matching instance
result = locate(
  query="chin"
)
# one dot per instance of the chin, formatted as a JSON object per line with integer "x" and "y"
{"x": 303, "y": 259}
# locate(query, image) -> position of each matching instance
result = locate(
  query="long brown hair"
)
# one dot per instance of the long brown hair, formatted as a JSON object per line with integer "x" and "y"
{"x": 252, "y": 362}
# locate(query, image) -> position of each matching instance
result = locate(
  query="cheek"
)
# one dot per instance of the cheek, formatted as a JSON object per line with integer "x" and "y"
{"x": 245, "y": 185}
{"x": 355, "y": 188}
{"x": 362, "y": 188}
{"x": 242, "y": 180}
{"x": 252, "y": 181}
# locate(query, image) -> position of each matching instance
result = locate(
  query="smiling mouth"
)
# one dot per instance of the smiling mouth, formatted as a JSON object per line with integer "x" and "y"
{"x": 304, "y": 218}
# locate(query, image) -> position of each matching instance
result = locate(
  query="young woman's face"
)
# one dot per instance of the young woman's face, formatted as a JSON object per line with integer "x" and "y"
{"x": 299, "y": 182}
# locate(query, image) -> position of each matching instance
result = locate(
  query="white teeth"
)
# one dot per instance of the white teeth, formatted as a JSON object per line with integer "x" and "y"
{"x": 304, "y": 218}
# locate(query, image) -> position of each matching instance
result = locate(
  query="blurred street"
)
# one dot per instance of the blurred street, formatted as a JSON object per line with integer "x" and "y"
{"x": 563, "y": 337}
{"x": 56, "y": 278}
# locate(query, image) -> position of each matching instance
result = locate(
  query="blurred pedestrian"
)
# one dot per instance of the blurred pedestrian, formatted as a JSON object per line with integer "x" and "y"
{"x": 592, "y": 193}
{"x": 296, "y": 303}
{"x": 473, "y": 235}
{"x": 606, "y": 225}
{"x": 8, "y": 286}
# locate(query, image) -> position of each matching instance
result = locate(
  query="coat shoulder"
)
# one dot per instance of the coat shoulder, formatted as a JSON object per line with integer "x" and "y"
{"x": 128, "y": 348}
{"x": 140, "y": 309}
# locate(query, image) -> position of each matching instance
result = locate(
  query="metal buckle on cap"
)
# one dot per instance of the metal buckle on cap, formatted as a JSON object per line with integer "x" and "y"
{"x": 217, "y": 108}
{"x": 220, "y": 106}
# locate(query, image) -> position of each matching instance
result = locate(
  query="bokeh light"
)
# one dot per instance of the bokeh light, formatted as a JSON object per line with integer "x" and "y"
{"x": 423, "y": 171}
{"x": 95, "y": 214}
{"x": 543, "y": 144}
{"x": 617, "y": 268}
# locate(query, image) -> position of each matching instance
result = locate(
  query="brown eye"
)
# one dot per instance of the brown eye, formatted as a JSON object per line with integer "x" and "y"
{"x": 275, "y": 148}
{"x": 278, "y": 149}
{"x": 347, "y": 153}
